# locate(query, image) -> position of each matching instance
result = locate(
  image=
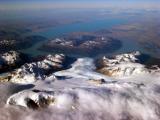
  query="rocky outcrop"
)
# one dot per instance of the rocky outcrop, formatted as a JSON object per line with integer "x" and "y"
{"x": 97, "y": 81}
{"x": 8, "y": 89}
{"x": 32, "y": 99}
{"x": 31, "y": 72}
{"x": 124, "y": 65}
{"x": 11, "y": 60}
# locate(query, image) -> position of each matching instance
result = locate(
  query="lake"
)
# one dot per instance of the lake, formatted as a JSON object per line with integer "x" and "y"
{"x": 90, "y": 26}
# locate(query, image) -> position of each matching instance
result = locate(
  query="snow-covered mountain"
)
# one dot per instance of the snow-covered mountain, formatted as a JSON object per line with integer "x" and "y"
{"x": 11, "y": 59}
{"x": 84, "y": 91}
{"x": 124, "y": 65}
{"x": 30, "y": 72}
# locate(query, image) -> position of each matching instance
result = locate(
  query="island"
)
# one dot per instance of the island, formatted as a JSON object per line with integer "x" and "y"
{"x": 82, "y": 43}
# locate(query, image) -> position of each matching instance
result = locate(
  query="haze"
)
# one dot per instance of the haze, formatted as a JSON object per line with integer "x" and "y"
{"x": 51, "y": 4}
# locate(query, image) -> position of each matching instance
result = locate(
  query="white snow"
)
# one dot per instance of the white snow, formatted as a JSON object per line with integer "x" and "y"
{"x": 133, "y": 97}
{"x": 30, "y": 72}
{"x": 82, "y": 68}
{"x": 124, "y": 65}
{"x": 9, "y": 58}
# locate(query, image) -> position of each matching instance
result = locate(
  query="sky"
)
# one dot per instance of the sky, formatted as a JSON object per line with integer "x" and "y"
{"x": 39, "y": 4}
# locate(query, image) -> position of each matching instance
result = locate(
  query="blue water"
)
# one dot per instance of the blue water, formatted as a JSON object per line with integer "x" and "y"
{"x": 58, "y": 31}
{"x": 90, "y": 26}
{"x": 82, "y": 27}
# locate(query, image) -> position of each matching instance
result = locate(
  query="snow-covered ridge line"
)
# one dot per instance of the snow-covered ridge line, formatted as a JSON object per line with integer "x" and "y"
{"x": 11, "y": 60}
{"x": 10, "y": 57}
{"x": 125, "y": 65}
{"x": 30, "y": 72}
{"x": 80, "y": 89}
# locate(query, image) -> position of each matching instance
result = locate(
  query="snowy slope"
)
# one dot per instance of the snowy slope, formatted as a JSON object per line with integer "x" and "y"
{"x": 81, "y": 93}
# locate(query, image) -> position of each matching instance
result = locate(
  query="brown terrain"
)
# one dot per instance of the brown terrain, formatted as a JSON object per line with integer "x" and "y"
{"x": 146, "y": 33}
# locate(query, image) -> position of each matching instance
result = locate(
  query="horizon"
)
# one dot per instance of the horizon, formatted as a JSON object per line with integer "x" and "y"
{"x": 80, "y": 59}
{"x": 76, "y": 4}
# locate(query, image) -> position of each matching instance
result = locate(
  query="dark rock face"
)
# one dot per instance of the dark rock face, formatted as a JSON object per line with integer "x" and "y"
{"x": 11, "y": 60}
